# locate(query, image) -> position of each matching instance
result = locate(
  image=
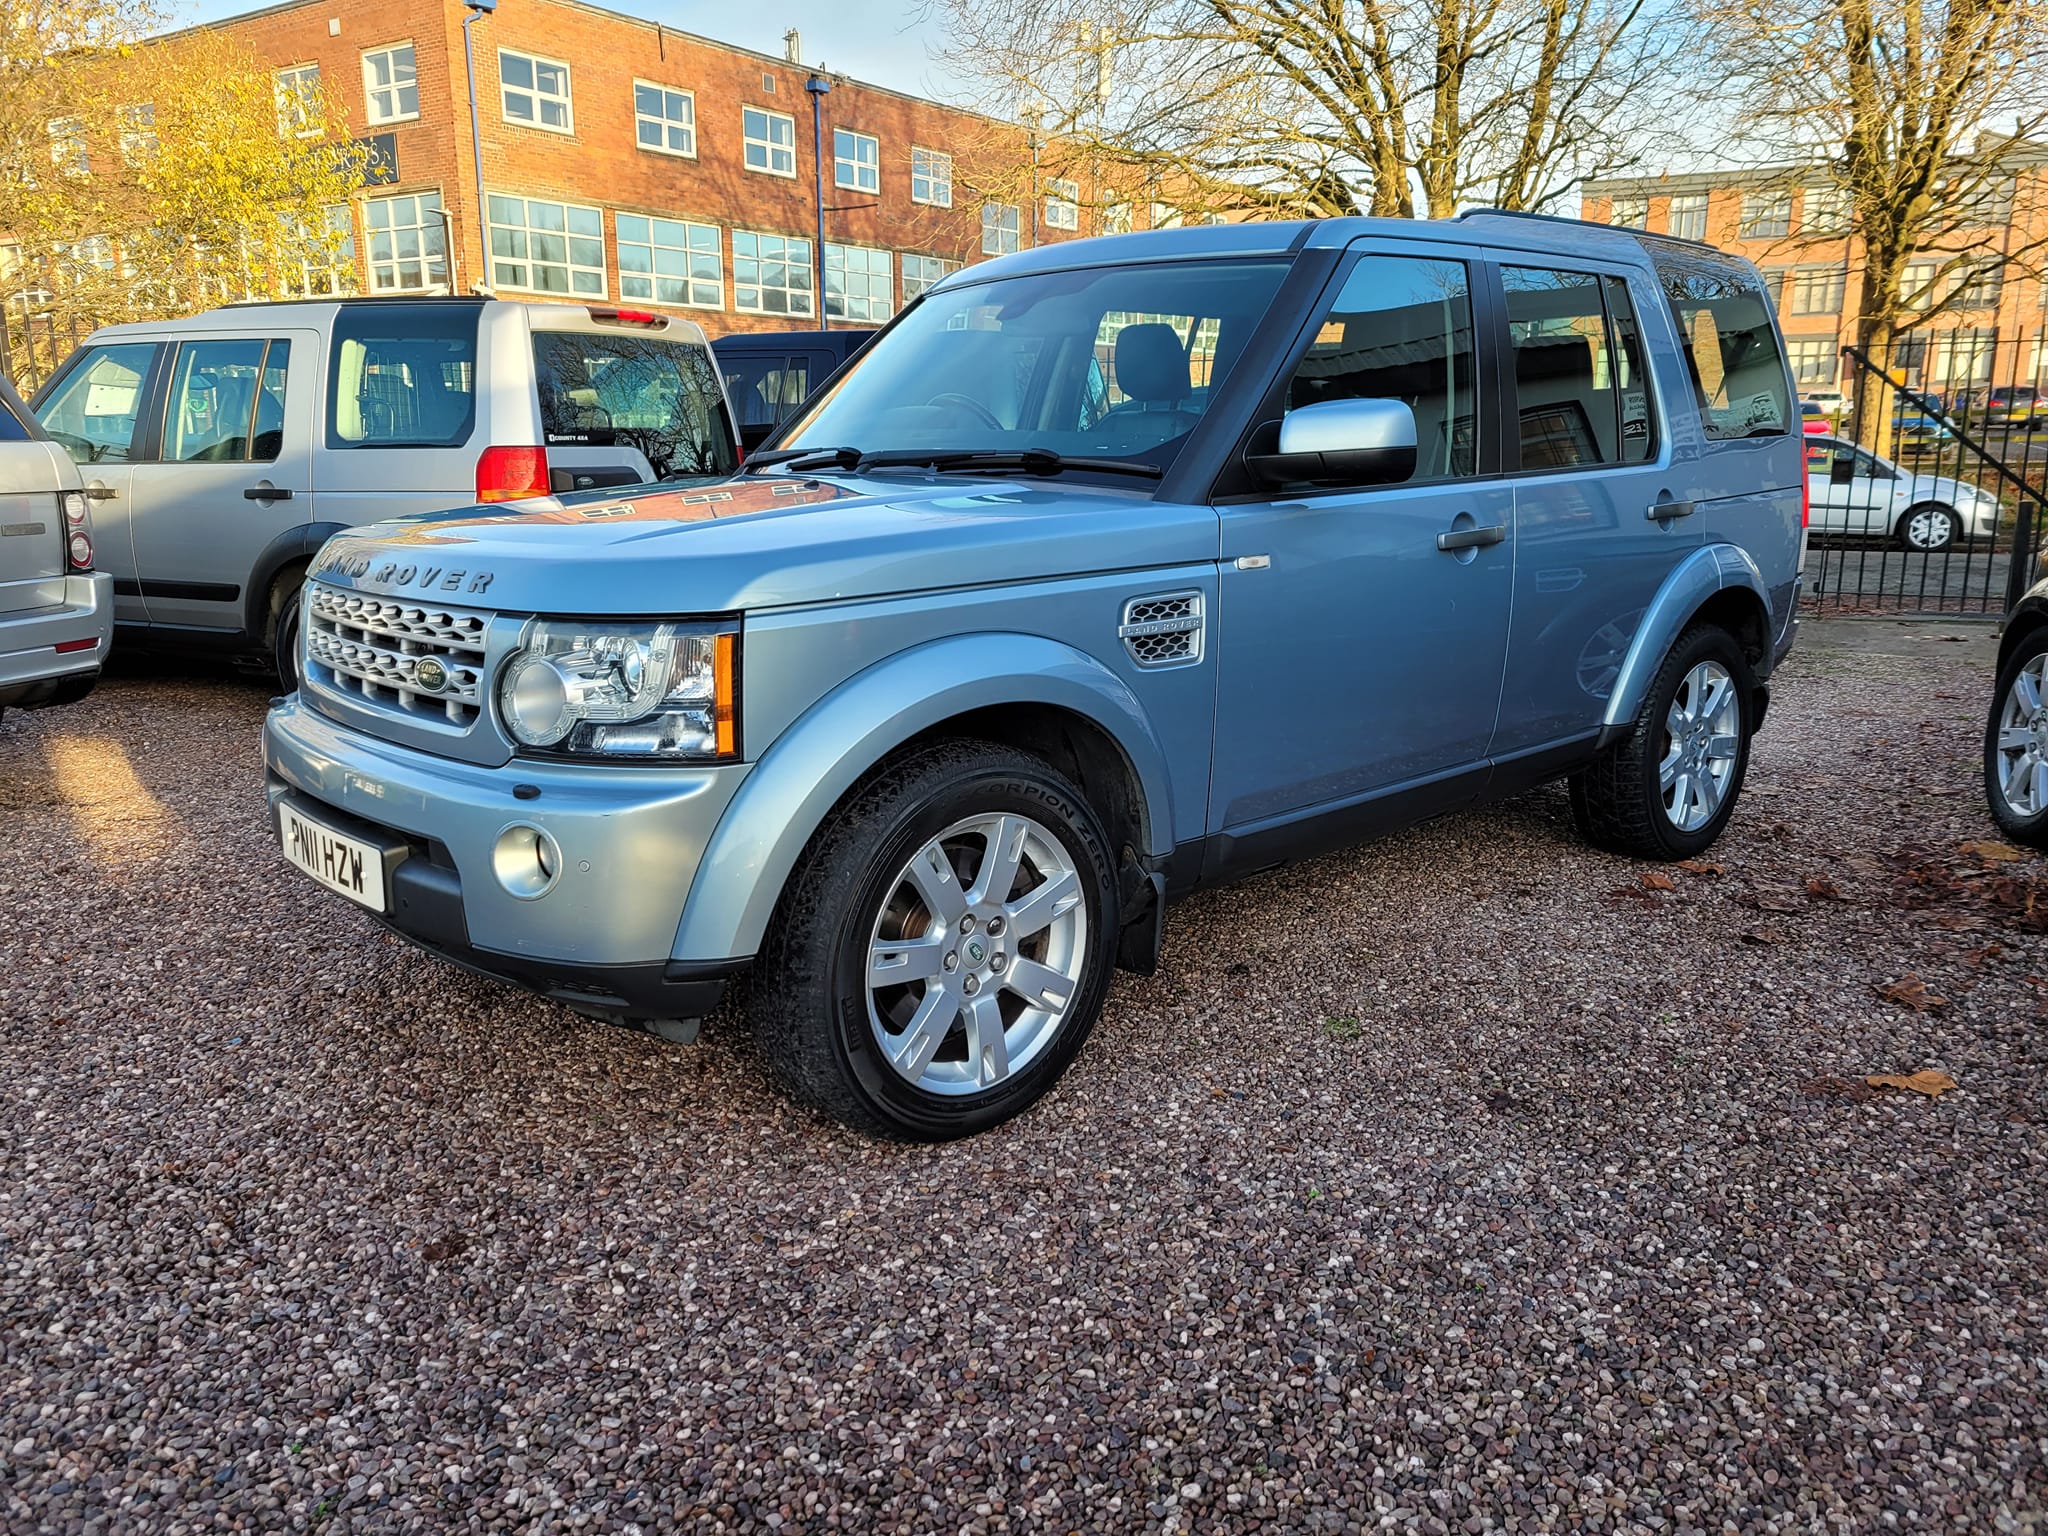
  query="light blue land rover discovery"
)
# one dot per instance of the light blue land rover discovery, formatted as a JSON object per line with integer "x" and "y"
{"x": 1108, "y": 571}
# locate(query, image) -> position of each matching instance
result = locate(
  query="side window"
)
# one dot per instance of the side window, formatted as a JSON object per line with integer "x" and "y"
{"x": 1731, "y": 348}
{"x": 268, "y": 439}
{"x": 402, "y": 376}
{"x": 764, "y": 389}
{"x": 211, "y": 413}
{"x": 1401, "y": 329}
{"x": 1566, "y": 400}
{"x": 1631, "y": 376}
{"x": 91, "y": 414}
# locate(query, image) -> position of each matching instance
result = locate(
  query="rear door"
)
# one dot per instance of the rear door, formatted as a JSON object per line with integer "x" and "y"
{"x": 627, "y": 406}
{"x": 33, "y": 531}
{"x": 93, "y": 411}
{"x": 226, "y": 465}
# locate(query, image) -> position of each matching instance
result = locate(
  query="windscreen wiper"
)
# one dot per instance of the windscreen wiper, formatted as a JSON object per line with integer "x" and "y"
{"x": 1030, "y": 461}
{"x": 804, "y": 458}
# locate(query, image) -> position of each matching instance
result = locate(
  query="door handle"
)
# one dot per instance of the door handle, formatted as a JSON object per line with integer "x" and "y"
{"x": 98, "y": 492}
{"x": 1666, "y": 511}
{"x": 1471, "y": 538}
{"x": 266, "y": 492}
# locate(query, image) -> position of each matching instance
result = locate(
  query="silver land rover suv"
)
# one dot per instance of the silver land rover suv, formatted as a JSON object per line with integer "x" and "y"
{"x": 1108, "y": 571}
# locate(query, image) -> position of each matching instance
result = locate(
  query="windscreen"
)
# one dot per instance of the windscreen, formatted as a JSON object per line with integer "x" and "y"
{"x": 1110, "y": 362}
{"x": 661, "y": 397}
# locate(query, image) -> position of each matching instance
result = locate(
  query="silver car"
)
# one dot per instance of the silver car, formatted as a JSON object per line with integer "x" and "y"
{"x": 222, "y": 450}
{"x": 56, "y": 607}
{"x": 1863, "y": 494}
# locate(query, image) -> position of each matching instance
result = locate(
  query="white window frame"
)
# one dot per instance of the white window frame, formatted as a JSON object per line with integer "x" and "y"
{"x": 1062, "y": 203}
{"x": 138, "y": 131}
{"x": 1823, "y": 209}
{"x": 1764, "y": 216}
{"x": 1687, "y": 205}
{"x": 930, "y": 272}
{"x": 68, "y": 151}
{"x": 291, "y": 83}
{"x": 1920, "y": 283}
{"x": 752, "y": 252}
{"x": 1116, "y": 219}
{"x": 427, "y": 222}
{"x": 1629, "y": 210}
{"x": 1819, "y": 290}
{"x": 932, "y": 171}
{"x": 699, "y": 240}
{"x": 569, "y": 265}
{"x": 835, "y": 259}
{"x": 335, "y": 277}
{"x": 541, "y": 99}
{"x": 1001, "y": 221}
{"x": 847, "y": 171}
{"x": 397, "y": 88}
{"x": 1804, "y": 353}
{"x": 766, "y": 144}
{"x": 665, "y": 123}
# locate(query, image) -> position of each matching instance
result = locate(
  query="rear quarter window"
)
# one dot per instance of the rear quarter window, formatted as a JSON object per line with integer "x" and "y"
{"x": 1731, "y": 347}
{"x": 629, "y": 391}
{"x": 402, "y": 376}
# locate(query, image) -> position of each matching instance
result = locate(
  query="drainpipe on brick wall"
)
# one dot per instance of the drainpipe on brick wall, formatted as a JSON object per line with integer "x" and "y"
{"x": 478, "y": 9}
{"x": 818, "y": 85}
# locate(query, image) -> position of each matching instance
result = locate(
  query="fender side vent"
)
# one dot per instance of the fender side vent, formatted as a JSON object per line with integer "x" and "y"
{"x": 1163, "y": 631}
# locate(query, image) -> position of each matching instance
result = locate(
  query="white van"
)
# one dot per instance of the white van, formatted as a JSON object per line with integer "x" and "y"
{"x": 222, "y": 450}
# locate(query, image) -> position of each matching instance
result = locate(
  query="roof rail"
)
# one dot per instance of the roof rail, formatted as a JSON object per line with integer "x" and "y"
{"x": 1559, "y": 218}
{"x": 360, "y": 298}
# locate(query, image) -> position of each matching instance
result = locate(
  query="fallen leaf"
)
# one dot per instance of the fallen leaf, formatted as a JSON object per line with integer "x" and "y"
{"x": 1911, "y": 991}
{"x": 448, "y": 1245}
{"x": 1983, "y": 953}
{"x": 1993, "y": 853}
{"x": 1703, "y": 866}
{"x": 1838, "y": 1089}
{"x": 1629, "y": 893}
{"x": 1822, "y": 888}
{"x": 1933, "y": 1084}
{"x": 1654, "y": 881}
{"x": 1763, "y": 936}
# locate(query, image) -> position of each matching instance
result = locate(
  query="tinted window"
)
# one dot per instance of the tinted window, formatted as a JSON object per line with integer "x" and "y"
{"x": 661, "y": 397}
{"x": 402, "y": 376}
{"x": 1401, "y": 329}
{"x": 1580, "y": 388}
{"x": 11, "y": 429}
{"x": 92, "y": 410}
{"x": 1101, "y": 361}
{"x": 765, "y": 387}
{"x": 1730, "y": 345}
{"x": 226, "y": 401}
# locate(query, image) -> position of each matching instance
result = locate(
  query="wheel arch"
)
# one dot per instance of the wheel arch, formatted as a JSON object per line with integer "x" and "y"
{"x": 1719, "y": 584}
{"x": 1022, "y": 690}
{"x": 295, "y": 546}
{"x": 2028, "y": 617}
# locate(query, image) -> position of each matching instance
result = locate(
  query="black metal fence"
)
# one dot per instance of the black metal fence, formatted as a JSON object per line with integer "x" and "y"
{"x": 1927, "y": 467}
{"x": 32, "y": 344}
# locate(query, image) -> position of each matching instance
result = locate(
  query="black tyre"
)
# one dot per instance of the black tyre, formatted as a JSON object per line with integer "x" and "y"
{"x": 2016, "y": 744}
{"x": 1669, "y": 787}
{"x": 943, "y": 949}
{"x": 1929, "y": 527}
{"x": 285, "y": 635}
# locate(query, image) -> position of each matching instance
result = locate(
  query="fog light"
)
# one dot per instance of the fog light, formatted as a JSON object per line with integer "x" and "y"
{"x": 526, "y": 860}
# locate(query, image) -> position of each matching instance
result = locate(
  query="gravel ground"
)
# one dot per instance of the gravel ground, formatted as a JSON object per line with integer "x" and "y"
{"x": 1469, "y": 1181}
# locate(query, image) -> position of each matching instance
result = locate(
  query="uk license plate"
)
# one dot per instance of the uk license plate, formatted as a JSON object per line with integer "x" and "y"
{"x": 339, "y": 862}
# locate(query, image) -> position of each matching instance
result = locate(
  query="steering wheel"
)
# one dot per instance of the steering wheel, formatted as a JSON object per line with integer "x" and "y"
{"x": 974, "y": 407}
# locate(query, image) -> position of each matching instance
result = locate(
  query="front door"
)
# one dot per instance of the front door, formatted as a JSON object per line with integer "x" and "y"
{"x": 1851, "y": 491}
{"x": 93, "y": 412}
{"x": 1358, "y": 659}
{"x": 231, "y": 471}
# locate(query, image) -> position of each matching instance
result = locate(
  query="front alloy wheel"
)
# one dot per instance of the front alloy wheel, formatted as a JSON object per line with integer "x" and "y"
{"x": 2016, "y": 744}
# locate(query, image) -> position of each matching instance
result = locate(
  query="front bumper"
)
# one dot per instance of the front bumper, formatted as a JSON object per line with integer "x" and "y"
{"x": 32, "y": 670}
{"x": 601, "y": 938}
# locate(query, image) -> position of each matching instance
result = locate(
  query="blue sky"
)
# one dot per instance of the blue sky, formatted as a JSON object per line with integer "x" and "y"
{"x": 883, "y": 41}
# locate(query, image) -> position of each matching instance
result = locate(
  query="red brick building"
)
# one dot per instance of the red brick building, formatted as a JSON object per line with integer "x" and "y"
{"x": 624, "y": 162}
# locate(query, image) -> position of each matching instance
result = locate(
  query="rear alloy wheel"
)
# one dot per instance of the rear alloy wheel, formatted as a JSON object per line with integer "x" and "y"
{"x": 943, "y": 949}
{"x": 2016, "y": 745}
{"x": 1930, "y": 527}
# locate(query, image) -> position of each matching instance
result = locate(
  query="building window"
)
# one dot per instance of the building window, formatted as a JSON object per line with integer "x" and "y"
{"x": 1116, "y": 219}
{"x": 1062, "y": 204}
{"x": 1983, "y": 203}
{"x": 770, "y": 142}
{"x": 1165, "y": 216}
{"x": 859, "y": 283}
{"x": 408, "y": 243}
{"x": 1774, "y": 287}
{"x": 1687, "y": 218}
{"x": 546, "y": 247}
{"x": 664, "y": 121}
{"x": 1916, "y": 283}
{"x": 391, "y": 84}
{"x": 331, "y": 269}
{"x": 669, "y": 261}
{"x": 536, "y": 91}
{"x": 1824, "y": 211}
{"x": 1818, "y": 290}
{"x": 1964, "y": 355}
{"x": 298, "y": 100}
{"x": 1766, "y": 215}
{"x": 1813, "y": 359}
{"x": 138, "y": 132}
{"x": 856, "y": 161}
{"x": 998, "y": 229}
{"x": 931, "y": 177}
{"x": 67, "y": 145}
{"x": 1629, "y": 212}
{"x": 1978, "y": 285}
{"x": 771, "y": 274}
{"x": 921, "y": 272}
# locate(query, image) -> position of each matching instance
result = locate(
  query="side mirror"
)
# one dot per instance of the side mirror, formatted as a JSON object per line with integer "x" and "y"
{"x": 1338, "y": 442}
{"x": 1842, "y": 469}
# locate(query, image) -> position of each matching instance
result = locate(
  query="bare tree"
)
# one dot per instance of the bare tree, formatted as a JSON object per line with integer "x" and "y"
{"x": 1392, "y": 107}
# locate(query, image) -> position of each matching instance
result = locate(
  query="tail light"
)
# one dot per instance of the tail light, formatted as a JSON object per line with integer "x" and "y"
{"x": 77, "y": 529}
{"x": 511, "y": 474}
{"x": 1805, "y": 499}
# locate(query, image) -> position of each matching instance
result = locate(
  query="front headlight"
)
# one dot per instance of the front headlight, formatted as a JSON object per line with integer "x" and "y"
{"x": 600, "y": 688}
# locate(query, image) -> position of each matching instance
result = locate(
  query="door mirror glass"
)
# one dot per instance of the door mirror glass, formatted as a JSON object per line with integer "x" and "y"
{"x": 1343, "y": 442}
